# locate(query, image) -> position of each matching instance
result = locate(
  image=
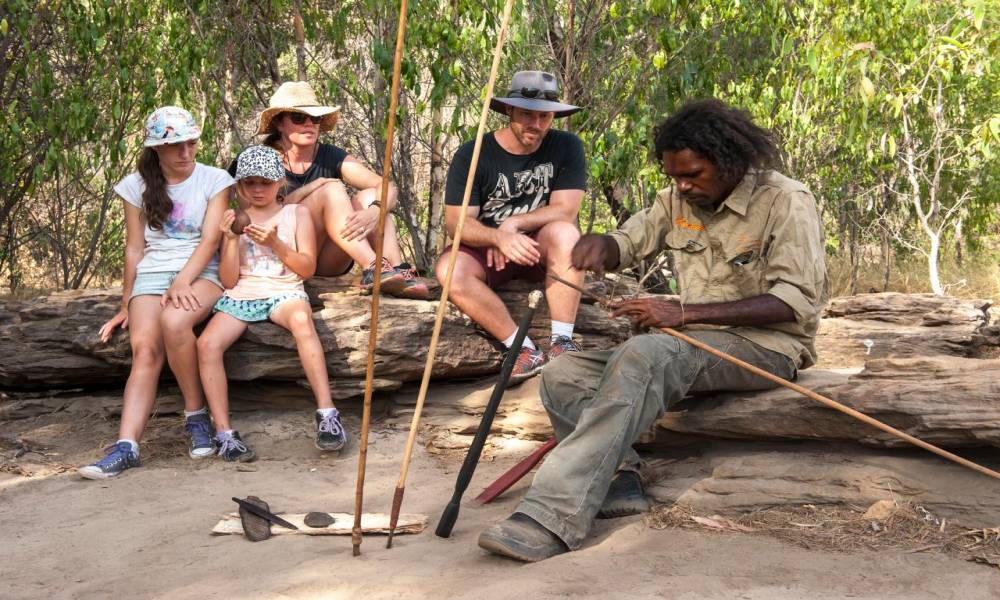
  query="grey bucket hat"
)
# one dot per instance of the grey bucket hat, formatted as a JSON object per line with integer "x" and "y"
{"x": 533, "y": 90}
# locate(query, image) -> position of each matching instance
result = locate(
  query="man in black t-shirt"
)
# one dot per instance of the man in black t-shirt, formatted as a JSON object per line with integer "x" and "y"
{"x": 522, "y": 216}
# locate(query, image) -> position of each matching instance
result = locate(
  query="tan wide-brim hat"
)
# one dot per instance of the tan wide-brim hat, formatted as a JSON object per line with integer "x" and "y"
{"x": 297, "y": 96}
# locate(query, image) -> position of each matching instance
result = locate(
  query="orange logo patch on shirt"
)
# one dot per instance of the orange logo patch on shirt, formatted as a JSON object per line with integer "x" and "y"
{"x": 682, "y": 222}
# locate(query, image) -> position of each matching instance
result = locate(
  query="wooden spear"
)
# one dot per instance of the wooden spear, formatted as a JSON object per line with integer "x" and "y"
{"x": 397, "y": 499}
{"x": 377, "y": 287}
{"x": 805, "y": 391}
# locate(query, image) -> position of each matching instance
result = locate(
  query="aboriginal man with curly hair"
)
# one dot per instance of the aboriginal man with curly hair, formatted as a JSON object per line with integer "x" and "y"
{"x": 747, "y": 248}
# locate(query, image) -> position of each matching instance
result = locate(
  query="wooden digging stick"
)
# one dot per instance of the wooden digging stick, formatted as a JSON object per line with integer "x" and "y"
{"x": 397, "y": 499}
{"x": 377, "y": 281}
{"x": 807, "y": 392}
{"x": 515, "y": 473}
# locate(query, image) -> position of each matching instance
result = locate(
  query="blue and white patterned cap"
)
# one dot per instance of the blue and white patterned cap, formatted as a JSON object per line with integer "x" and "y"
{"x": 260, "y": 161}
{"x": 170, "y": 125}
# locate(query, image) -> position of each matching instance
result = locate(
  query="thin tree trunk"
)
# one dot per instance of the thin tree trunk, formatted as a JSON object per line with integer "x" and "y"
{"x": 300, "y": 40}
{"x": 886, "y": 259}
{"x": 434, "y": 241}
{"x": 959, "y": 240}
{"x": 932, "y": 264}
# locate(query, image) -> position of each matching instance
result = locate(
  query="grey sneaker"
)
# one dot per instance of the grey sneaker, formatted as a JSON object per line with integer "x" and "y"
{"x": 201, "y": 444}
{"x": 561, "y": 344}
{"x": 529, "y": 363}
{"x": 330, "y": 434}
{"x": 522, "y": 538}
{"x": 393, "y": 280}
{"x": 120, "y": 457}
{"x": 234, "y": 449}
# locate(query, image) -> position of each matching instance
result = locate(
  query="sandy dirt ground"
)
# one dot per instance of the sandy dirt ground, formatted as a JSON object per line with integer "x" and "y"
{"x": 147, "y": 534}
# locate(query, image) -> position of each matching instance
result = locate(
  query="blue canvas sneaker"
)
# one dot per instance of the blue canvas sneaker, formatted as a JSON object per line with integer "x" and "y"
{"x": 199, "y": 428}
{"x": 120, "y": 457}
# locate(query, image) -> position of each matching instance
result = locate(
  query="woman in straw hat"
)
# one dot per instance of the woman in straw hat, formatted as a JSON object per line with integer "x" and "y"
{"x": 173, "y": 209}
{"x": 316, "y": 174}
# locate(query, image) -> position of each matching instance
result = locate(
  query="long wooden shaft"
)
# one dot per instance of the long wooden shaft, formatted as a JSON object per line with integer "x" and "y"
{"x": 807, "y": 392}
{"x": 377, "y": 281}
{"x": 397, "y": 500}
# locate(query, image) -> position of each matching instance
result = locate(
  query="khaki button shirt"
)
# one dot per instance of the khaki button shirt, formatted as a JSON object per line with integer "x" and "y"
{"x": 765, "y": 238}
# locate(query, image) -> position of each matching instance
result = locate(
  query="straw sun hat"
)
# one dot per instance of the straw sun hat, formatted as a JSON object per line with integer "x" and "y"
{"x": 297, "y": 96}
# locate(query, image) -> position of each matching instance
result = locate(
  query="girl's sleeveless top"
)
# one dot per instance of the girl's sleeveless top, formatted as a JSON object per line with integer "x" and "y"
{"x": 262, "y": 274}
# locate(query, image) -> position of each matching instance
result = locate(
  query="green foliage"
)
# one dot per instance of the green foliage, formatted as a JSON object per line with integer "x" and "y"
{"x": 886, "y": 109}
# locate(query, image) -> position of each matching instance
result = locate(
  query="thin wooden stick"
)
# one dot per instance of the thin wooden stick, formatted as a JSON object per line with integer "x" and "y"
{"x": 397, "y": 499}
{"x": 377, "y": 282}
{"x": 807, "y": 392}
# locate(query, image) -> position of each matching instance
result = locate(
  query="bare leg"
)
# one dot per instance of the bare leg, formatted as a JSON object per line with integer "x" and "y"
{"x": 147, "y": 362}
{"x": 470, "y": 293}
{"x": 296, "y": 317}
{"x": 331, "y": 260}
{"x": 179, "y": 340}
{"x": 330, "y": 207}
{"x": 390, "y": 248}
{"x": 222, "y": 331}
{"x": 557, "y": 240}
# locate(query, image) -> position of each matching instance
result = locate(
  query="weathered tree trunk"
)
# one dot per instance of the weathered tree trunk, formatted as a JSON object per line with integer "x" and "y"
{"x": 300, "y": 40}
{"x": 51, "y": 342}
{"x": 434, "y": 241}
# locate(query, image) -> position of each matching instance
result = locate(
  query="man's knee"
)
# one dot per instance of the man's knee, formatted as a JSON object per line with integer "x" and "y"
{"x": 559, "y": 237}
{"x": 464, "y": 277}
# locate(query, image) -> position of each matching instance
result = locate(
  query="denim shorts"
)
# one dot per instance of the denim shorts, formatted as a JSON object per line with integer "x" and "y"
{"x": 260, "y": 309}
{"x": 155, "y": 284}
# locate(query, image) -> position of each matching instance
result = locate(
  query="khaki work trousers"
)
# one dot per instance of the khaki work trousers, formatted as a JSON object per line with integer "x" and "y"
{"x": 600, "y": 402}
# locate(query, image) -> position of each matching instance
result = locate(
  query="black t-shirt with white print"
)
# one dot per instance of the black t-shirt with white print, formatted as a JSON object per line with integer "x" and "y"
{"x": 511, "y": 184}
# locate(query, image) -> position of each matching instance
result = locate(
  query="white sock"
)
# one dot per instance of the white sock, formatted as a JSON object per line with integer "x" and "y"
{"x": 527, "y": 343}
{"x": 133, "y": 443}
{"x": 559, "y": 328}
{"x": 190, "y": 413}
{"x": 323, "y": 412}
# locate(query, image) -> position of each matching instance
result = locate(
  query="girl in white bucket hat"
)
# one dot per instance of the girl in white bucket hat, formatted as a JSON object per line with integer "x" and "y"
{"x": 316, "y": 174}
{"x": 173, "y": 208}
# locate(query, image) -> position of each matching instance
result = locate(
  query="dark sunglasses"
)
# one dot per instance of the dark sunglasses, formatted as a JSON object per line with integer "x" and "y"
{"x": 527, "y": 92}
{"x": 300, "y": 118}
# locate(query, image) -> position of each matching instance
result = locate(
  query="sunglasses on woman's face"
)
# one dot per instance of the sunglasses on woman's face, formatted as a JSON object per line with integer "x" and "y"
{"x": 527, "y": 92}
{"x": 300, "y": 118}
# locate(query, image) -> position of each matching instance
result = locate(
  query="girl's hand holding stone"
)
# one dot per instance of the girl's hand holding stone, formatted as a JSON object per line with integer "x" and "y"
{"x": 228, "y": 218}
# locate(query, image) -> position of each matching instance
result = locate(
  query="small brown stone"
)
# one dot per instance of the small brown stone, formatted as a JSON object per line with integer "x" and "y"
{"x": 319, "y": 519}
{"x": 241, "y": 222}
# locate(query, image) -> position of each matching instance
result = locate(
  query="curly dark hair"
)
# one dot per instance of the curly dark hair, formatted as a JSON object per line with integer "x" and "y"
{"x": 724, "y": 135}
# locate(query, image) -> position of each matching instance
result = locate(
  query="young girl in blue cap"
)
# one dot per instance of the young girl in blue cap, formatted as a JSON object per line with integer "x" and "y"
{"x": 262, "y": 270}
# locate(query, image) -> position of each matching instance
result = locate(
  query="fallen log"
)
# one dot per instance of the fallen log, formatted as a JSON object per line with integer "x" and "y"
{"x": 947, "y": 401}
{"x": 51, "y": 342}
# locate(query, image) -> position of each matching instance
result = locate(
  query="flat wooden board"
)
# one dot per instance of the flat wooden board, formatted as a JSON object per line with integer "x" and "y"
{"x": 342, "y": 524}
